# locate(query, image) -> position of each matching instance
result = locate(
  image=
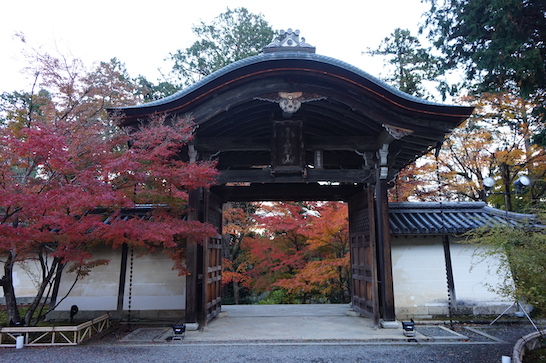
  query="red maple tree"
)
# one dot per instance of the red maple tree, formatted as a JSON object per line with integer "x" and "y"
{"x": 326, "y": 275}
{"x": 66, "y": 175}
{"x": 302, "y": 250}
{"x": 239, "y": 224}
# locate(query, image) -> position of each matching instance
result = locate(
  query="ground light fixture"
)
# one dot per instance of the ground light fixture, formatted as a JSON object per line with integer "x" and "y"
{"x": 178, "y": 331}
{"x": 73, "y": 311}
{"x": 408, "y": 328}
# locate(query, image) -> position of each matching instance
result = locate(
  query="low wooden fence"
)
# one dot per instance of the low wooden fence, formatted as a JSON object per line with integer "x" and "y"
{"x": 528, "y": 343}
{"x": 54, "y": 335}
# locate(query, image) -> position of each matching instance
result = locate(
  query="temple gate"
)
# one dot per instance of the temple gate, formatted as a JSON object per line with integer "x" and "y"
{"x": 292, "y": 125}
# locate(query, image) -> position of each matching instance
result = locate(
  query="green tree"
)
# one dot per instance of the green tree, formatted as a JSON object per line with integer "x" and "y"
{"x": 231, "y": 36}
{"x": 500, "y": 44}
{"x": 519, "y": 255}
{"x": 412, "y": 63}
{"x": 149, "y": 91}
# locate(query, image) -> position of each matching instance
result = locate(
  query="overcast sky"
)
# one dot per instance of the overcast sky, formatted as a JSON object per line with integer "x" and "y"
{"x": 143, "y": 33}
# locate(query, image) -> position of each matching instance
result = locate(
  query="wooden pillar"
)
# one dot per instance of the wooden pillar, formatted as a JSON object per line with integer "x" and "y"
{"x": 386, "y": 289}
{"x": 192, "y": 261}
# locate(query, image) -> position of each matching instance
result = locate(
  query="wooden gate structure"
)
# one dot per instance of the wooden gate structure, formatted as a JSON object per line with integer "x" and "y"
{"x": 292, "y": 125}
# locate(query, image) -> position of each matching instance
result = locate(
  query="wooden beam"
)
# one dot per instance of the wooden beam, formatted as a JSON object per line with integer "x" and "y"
{"x": 308, "y": 176}
{"x": 286, "y": 192}
{"x": 122, "y": 275}
{"x": 215, "y": 144}
{"x": 361, "y": 143}
{"x": 191, "y": 263}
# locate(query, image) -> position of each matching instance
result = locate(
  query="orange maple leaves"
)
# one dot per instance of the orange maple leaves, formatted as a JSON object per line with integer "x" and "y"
{"x": 301, "y": 248}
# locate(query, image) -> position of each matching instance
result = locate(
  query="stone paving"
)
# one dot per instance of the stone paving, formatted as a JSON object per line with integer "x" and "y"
{"x": 320, "y": 323}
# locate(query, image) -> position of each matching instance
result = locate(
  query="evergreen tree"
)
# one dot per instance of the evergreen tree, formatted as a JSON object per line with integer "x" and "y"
{"x": 412, "y": 63}
{"x": 231, "y": 36}
{"x": 501, "y": 45}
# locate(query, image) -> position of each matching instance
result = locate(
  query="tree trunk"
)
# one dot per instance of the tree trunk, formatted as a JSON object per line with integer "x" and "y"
{"x": 236, "y": 289}
{"x": 9, "y": 292}
{"x": 48, "y": 276}
{"x": 56, "y": 285}
{"x": 505, "y": 175}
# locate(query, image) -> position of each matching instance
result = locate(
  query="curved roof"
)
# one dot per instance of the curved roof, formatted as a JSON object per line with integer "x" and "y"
{"x": 269, "y": 64}
{"x": 347, "y": 112}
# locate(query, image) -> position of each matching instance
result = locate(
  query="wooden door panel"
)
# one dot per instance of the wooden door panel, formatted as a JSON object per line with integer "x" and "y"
{"x": 212, "y": 301}
{"x": 363, "y": 255}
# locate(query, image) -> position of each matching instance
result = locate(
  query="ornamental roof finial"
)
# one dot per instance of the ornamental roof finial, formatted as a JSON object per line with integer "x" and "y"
{"x": 289, "y": 41}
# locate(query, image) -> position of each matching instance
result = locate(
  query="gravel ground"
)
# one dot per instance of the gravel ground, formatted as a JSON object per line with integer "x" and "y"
{"x": 388, "y": 353}
{"x": 478, "y": 348}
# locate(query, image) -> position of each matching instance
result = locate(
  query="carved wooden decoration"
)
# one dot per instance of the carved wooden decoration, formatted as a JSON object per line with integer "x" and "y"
{"x": 287, "y": 148}
{"x": 290, "y": 102}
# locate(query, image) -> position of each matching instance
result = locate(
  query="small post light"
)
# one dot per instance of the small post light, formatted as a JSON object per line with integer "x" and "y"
{"x": 408, "y": 328}
{"x": 178, "y": 331}
{"x": 73, "y": 311}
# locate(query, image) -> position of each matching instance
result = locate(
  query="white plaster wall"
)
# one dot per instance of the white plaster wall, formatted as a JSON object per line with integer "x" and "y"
{"x": 418, "y": 272}
{"x": 472, "y": 275}
{"x": 420, "y": 281}
{"x": 98, "y": 290}
{"x": 154, "y": 285}
{"x": 24, "y": 279}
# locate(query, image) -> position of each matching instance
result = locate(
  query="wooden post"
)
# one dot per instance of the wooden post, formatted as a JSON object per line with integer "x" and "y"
{"x": 191, "y": 261}
{"x": 384, "y": 251}
{"x": 449, "y": 271}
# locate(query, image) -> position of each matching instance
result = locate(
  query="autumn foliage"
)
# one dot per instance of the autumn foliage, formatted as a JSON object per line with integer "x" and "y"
{"x": 496, "y": 141}
{"x": 67, "y": 174}
{"x": 298, "y": 249}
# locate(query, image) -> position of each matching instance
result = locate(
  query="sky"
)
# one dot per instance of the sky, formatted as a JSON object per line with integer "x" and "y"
{"x": 142, "y": 34}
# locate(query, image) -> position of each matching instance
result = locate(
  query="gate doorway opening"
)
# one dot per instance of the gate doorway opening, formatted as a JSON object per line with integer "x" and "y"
{"x": 286, "y": 253}
{"x": 289, "y": 253}
{"x": 367, "y": 288}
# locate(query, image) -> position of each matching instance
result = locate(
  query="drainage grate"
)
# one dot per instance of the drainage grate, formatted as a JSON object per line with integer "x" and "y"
{"x": 145, "y": 334}
{"x": 438, "y": 332}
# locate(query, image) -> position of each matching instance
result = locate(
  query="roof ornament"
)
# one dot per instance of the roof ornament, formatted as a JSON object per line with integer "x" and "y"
{"x": 289, "y": 41}
{"x": 290, "y": 102}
